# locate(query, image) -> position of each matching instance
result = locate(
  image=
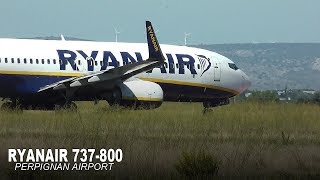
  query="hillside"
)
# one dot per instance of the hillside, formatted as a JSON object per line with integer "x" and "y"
{"x": 275, "y": 65}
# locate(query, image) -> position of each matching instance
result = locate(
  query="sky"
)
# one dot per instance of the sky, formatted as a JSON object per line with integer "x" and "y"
{"x": 208, "y": 21}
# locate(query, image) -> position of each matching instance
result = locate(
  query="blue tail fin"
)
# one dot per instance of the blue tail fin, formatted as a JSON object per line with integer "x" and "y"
{"x": 153, "y": 44}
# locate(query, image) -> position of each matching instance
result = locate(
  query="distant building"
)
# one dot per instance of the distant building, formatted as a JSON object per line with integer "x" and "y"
{"x": 285, "y": 98}
{"x": 281, "y": 92}
{"x": 309, "y": 92}
{"x": 284, "y": 95}
{"x": 247, "y": 94}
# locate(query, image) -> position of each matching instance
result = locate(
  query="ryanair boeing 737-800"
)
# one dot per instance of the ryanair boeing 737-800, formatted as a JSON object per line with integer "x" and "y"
{"x": 44, "y": 74}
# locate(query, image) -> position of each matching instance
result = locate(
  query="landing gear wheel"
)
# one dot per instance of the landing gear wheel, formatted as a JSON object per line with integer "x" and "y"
{"x": 206, "y": 110}
{"x": 71, "y": 106}
{"x": 215, "y": 103}
{"x": 116, "y": 98}
{"x": 206, "y": 104}
{"x": 209, "y": 104}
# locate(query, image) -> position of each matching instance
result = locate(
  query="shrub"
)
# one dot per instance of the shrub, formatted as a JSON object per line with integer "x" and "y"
{"x": 316, "y": 98}
{"x": 197, "y": 165}
{"x": 264, "y": 96}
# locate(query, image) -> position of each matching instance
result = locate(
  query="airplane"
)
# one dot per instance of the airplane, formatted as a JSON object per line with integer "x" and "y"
{"x": 48, "y": 74}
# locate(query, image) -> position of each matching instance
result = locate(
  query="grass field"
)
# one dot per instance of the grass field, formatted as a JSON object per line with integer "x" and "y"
{"x": 254, "y": 139}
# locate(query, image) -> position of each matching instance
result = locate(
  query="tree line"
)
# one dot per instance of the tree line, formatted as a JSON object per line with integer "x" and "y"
{"x": 296, "y": 96}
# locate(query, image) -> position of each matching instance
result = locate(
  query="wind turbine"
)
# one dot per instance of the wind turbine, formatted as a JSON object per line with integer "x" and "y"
{"x": 62, "y": 37}
{"x": 116, "y": 32}
{"x": 186, "y": 35}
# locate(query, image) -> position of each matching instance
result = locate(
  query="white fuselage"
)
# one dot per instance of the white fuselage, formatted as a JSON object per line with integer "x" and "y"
{"x": 28, "y": 65}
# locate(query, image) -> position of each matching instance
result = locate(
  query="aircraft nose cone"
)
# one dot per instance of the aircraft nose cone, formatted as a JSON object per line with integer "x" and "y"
{"x": 246, "y": 82}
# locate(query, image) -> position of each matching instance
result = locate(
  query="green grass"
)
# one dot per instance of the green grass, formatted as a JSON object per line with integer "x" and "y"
{"x": 246, "y": 138}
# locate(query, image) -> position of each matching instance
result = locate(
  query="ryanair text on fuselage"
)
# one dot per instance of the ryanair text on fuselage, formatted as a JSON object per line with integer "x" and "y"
{"x": 185, "y": 61}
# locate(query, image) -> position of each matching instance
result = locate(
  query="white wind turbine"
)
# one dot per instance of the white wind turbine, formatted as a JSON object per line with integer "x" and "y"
{"x": 116, "y": 33}
{"x": 186, "y": 35}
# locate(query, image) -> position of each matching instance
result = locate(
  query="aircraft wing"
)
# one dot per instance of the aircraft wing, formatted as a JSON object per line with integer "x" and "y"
{"x": 122, "y": 73}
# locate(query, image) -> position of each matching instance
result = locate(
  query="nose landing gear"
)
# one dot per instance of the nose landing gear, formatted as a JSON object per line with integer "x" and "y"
{"x": 214, "y": 103}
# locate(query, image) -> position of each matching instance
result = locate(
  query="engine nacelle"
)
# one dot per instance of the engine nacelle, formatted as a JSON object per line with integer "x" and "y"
{"x": 139, "y": 93}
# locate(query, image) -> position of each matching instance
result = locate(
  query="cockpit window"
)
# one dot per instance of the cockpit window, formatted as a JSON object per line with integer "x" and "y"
{"x": 233, "y": 66}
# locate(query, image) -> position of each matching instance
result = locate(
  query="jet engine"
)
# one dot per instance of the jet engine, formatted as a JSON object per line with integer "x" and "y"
{"x": 137, "y": 94}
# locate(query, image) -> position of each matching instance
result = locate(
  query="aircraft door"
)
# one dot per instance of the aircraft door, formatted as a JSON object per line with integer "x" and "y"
{"x": 217, "y": 71}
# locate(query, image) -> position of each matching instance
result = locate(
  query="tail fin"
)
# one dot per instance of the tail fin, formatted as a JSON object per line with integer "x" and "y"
{"x": 153, "y": 44}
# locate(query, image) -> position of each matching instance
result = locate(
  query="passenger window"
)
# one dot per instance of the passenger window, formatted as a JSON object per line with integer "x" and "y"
{"x": 12, "y": 60}
{"x": 6, "y": 60}
{"x": 198, "y": 66}
{"x": 18, "y": 60}
{"x": 96, "y": 63}
{"x": 31, "y": 61}
{"x": 54, "y": 61}
{"x": 48, "y": 61}
{"x": 25, "y": 60}
{"x": 177, "y": 65}
{"x": 79, "y": 62}
{"x": 101, "y": 63}
{"x": 37, "y": 61}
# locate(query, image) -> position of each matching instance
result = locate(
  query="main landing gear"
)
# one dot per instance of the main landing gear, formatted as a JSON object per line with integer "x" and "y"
{"x": 16, "y": 106}
{"x": 209, "y": 104}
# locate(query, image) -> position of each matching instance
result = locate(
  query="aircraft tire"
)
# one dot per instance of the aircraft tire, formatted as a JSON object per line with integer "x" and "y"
{"x": 215, "y": 103}
{"x": 116, "y": 98}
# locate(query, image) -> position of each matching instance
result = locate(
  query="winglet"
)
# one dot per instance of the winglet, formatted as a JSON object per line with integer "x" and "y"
{"x": 153, "y": 44}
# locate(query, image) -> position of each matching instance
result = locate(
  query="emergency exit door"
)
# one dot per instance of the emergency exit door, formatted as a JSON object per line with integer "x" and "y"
{"x": 217, "y": 71}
